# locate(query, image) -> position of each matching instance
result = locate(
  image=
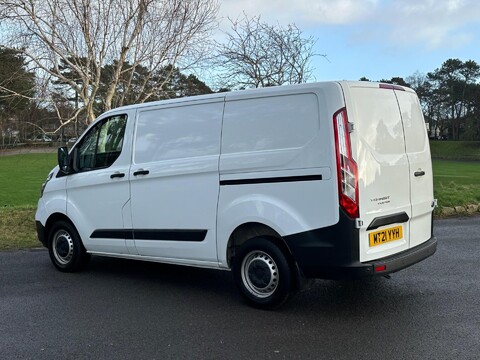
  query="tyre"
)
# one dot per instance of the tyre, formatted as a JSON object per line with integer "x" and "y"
{"x": 65, "y": 248}
{"x": 263, "y": 274}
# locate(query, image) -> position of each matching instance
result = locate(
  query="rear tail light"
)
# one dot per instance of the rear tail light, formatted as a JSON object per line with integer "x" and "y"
{"x": 346, "y": 167}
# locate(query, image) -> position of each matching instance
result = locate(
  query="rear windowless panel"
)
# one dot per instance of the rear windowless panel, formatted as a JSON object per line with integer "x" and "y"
{"x": 270, "y": 123}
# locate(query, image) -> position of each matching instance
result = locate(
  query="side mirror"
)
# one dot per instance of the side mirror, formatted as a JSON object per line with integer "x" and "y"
{"x": 64, "y": 160}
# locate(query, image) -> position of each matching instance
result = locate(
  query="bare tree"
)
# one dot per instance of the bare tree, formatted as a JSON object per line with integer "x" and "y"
{"x": 87, "y": 35}
{"x": 257, "y": 54}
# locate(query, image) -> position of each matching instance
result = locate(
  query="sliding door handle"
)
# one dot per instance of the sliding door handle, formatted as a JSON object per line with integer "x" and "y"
{"x": 141, "y": 172}
{"x": 419, "y": 173}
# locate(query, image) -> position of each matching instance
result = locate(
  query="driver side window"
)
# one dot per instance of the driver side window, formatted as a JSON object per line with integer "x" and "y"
{"x": 102, "y": 145}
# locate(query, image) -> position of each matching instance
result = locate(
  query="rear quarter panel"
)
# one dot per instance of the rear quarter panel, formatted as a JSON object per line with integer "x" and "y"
{"x": 279, "y": 133}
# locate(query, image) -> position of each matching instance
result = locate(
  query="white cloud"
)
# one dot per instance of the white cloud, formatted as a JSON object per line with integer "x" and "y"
{"x": 305, "y": 12}
{"x": 432, "y": 24}
{"x": 435, "y": 23}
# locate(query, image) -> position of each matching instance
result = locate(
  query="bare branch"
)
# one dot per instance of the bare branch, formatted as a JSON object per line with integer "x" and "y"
{"x": 257, "y": 54}
{"x": 86, "y": 36}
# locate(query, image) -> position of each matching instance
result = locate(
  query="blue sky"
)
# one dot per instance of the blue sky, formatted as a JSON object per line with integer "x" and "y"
{"x": 374, "y": 38}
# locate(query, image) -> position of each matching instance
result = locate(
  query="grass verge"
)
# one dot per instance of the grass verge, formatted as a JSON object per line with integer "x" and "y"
{"x": 456, "y": 183}
{"x": 21, "y": 177}
{"x": 455, "y": 150}
{"x": 17, "y": 229}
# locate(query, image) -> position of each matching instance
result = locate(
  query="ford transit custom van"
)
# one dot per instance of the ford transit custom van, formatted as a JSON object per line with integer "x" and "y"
{"x": 328, "y": 180}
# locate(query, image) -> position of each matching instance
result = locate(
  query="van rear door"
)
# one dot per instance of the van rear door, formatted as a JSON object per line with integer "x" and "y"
{"x": 390, "y": 146}
{"x": 421, "y": 174}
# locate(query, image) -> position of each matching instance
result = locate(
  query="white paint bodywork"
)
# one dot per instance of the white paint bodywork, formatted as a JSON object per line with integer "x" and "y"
{"x": 96, "y": 201}
{"x": 189, "y": 146}
{"x": 389, "y": 143}
{"x": 180, "y": 147}
{"x": 287, "y": 134}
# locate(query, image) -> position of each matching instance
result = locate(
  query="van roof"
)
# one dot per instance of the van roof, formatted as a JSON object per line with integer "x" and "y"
{"x": 267, "y": 91}
{"x": 168, "y": 101}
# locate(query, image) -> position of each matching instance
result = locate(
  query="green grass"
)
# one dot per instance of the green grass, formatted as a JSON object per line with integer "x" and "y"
{"x": 17, "y": 229}
{"x": 455, "y": 150}
{"x": 456, "y": 172}
{"x": 21, "y": 177}
{"x": 456, "y": 183}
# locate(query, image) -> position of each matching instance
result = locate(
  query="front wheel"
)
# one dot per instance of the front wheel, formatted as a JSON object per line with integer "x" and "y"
{"x": 263, "y": 274}
{"x": 65, "y": 248}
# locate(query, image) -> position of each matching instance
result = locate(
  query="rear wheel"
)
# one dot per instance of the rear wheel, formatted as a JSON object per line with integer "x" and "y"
{"x": 263, "y": 274}
{"x": 65, "y": 248}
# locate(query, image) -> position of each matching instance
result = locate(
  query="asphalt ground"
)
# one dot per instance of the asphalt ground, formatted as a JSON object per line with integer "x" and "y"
{"x": 118, "y": 309}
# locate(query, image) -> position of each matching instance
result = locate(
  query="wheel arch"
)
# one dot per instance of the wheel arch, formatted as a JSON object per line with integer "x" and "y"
{"x": 54, "y": 218}
{"x": 65, "y": 246}
{"x": 250, "y": 230}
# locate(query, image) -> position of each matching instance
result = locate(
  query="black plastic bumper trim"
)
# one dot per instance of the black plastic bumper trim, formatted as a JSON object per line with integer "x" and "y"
{"x": 333, "y": 253}
{"x": 406, "y": 258}
{"x": 388, "y": 220}
{"x": 41, "y": 233}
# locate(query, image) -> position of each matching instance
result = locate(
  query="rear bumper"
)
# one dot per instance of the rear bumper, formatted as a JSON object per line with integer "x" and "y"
{"x": 333, "y": 253}
{"x": 380, "y": 267}
{"x": 406, "y": 258}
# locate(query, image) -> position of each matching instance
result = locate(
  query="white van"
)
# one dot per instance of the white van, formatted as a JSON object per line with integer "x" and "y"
{"x": 326, "y": 180}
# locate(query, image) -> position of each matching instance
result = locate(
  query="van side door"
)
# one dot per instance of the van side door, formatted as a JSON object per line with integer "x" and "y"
{"x": 98, "y": 191}
{"x": 175, "y": 181}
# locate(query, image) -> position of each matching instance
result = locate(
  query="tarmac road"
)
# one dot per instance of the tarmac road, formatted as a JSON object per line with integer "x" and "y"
{"x": 120, "y": 309}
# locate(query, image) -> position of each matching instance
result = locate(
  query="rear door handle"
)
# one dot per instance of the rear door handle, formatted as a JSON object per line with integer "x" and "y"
{"x": 117, "y": 175}
{"x": 419, "y": 173}
{"x": 141, "y": 172}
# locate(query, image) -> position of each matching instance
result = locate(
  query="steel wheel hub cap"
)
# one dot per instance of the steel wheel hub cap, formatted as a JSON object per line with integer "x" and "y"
{"x": 63, "y": 247}
{"x": 259, "y": 274}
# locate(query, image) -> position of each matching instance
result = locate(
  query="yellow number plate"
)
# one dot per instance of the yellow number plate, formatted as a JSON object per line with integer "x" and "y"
{"x": 386, "y": 235}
